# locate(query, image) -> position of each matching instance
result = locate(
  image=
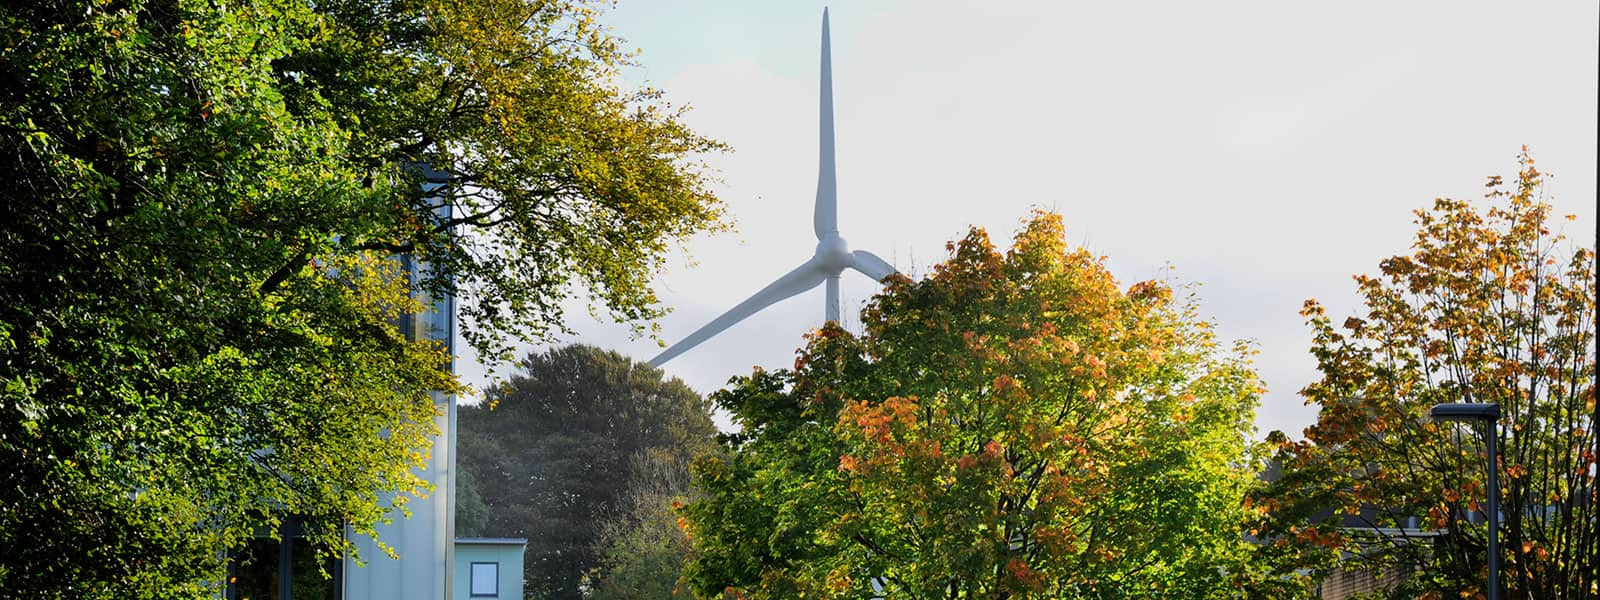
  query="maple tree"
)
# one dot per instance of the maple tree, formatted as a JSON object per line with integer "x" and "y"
{"x": 1489, "y": 306}
{"x": 1013, "y": 425}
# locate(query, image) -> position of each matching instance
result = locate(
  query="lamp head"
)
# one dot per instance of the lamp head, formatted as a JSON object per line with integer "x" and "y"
{"x": 1465, "y": 411}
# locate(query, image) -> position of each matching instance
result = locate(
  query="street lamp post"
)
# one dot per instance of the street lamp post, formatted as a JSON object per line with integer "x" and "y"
{"x": 1489, "y": 414}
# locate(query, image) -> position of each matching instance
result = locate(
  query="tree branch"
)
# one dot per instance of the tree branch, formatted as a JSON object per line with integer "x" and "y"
{"x": 282, "y": 274}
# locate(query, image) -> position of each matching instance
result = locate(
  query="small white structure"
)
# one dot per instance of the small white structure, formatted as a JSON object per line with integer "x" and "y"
{"x": 489, "y": 568}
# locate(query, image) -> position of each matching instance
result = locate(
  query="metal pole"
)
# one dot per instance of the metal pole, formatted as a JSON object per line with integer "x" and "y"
{"x": 1494, "y": 513}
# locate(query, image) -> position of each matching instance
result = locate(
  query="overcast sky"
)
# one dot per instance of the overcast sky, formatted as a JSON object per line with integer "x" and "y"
{"x": 1264, "y": 150}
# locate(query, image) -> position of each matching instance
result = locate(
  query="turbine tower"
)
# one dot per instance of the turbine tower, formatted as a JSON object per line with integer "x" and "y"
{"x": 832, "y": 255}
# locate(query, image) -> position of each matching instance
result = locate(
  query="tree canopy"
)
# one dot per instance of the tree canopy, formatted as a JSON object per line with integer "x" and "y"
{"x": 1489, "y": 306}
{"x": 1013, "y": 425}
{"x": 643, "y": 549}
{"x": 565, "y": 452}
{"x": 203, "y": 207}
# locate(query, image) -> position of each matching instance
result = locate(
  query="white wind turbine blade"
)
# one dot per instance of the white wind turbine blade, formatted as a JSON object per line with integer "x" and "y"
{"x": 870, "y": 265}
{"x": 802, "y": 278}
{"x": 826, "y": 219}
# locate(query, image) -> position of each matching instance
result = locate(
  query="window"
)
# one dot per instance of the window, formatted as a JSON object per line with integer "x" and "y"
{"x": 485, "y": 580}
{"x": 285, "y": 566}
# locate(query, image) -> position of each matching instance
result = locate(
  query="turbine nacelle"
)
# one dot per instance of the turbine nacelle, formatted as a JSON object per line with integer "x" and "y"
{"x": 832, "y": 255}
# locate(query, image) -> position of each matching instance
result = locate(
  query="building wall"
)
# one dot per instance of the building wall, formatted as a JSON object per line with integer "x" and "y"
{"x": 1346, "y": 582}
{"x": 424, "y": 542}
{"x": 505, "y": 553}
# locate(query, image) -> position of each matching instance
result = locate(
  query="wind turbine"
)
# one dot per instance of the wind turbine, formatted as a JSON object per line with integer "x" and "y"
{"x": 832, "y": 255}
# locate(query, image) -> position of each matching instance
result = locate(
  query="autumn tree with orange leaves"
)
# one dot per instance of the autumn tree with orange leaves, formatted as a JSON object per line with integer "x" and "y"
{"x": 1490, "y": 306}
{"x": 1015, "y": 425}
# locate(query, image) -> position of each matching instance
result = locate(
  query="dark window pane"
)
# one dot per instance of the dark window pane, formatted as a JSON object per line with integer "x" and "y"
{"x": 309, "y": 581}
{"x": 256, "y": 576}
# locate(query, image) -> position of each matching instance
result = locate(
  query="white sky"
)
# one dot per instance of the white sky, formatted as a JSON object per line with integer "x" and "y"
{"x": 1266, "y": 150}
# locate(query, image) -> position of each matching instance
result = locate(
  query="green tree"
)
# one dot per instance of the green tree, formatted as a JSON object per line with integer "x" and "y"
{"x": 643, "y": 549}
{"x": 472, "y": 515}
{"x": 1013, "y": 425}
{"x": 553, "y": 452}
{"x": 1489, "y": 306}
{"x": 203, "y": 207}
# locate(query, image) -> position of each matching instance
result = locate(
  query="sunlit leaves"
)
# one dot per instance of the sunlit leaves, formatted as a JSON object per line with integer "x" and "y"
{"x": 1489, "y": 306}
{"x": 557, "y": 175}
{"x": 204, "y": 207}
{"x": 1013, "y": 425}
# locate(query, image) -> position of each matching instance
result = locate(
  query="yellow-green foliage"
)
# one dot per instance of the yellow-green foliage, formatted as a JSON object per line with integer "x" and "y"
{"x": 203, "y": 207}
{"x": 1013, "y": 425}
{"x": 1489, "y": 306}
